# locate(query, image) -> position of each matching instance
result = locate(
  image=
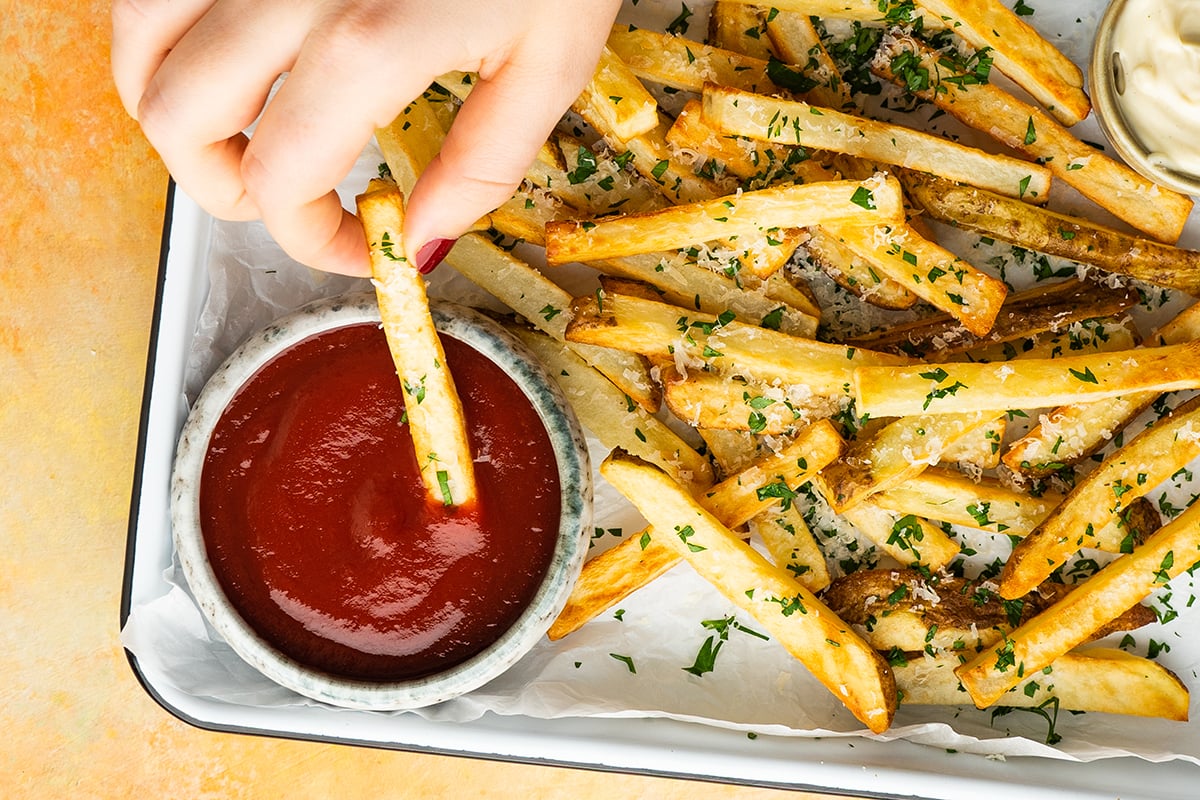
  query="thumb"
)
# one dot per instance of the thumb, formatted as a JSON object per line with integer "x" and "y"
{"x": 485, "y": 155}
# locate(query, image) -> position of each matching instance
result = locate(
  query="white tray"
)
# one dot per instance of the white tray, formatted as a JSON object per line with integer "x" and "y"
{"x": 651, "y": 746}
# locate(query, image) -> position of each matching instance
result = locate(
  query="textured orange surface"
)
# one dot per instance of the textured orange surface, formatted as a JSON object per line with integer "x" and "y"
{"x": 81, "y": 204}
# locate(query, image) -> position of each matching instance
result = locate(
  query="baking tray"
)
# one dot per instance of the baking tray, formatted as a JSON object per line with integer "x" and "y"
{"x": 637, "y": 745}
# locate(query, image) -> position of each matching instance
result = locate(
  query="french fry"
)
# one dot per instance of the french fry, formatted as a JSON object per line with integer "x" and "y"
{"x": 896, "y": 452}
{"x": 1071, "y": 433}
{"x": 615, "y": 95}
{"x": 799, "y": 45}
{"x": 432, "y": 406}
{"x": 740, "y": 28}
{"x": 856, "y": 273}
{"x": 1045, "y": 308}
{"x": 1100, "y": 497}
{"x": 659, "y": 330}
{"x": 795, "y": 123}
{"x": 1034, "y": 383}
{"x": 1018, "y": 51}
{"x": 1054, "y": 233}
{"x": 685, "y": 283}
{"x": 1129, "y": 579}
{"x": 411, "y": 141}
{"x": 622, "y": 570}
{"x": 787, "y": 538}
{"x": 980, "y": 447}
{"x": 612, "y": 417}
{"x": 593, "y": 183}
{"x": 765, "y": 211}
{"x": 535, "y": 297}
{"x": 686, "y": 64}
{"x": 1098, "y": 679}
{"x": 793, "y": 615}
{"x": 931, "y": 272}
{"x": 714, "y": 401}
{"x": 910, "y": 540}
{"x": 988, "y": 504}
{"x": 913, "y": 611}
{"x": 1028, "y": 130}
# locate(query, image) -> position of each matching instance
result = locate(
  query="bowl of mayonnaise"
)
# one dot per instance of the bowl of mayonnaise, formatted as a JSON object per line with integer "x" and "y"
{"x": 1145, "y": 78}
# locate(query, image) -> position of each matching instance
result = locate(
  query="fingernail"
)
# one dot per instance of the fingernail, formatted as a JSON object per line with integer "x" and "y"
{"x": 432, "y": 253}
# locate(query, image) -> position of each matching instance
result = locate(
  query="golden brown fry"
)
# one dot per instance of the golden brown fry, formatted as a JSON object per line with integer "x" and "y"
{"x": 1028, "y": 130}
{"x": 856, "y": 273}
{"x": 1045, "y": 308}
{"x": 792, "y": 546}
{"x": 765, "y": 211}
{"x": 793, "y": 615}
{"x": 1054, "y": 233}
{"x": 659, "y": 330}
{"x": 799, "y": 45}
{"x": 929, "y": 271}
{"x": 616, "y": 96}
{"x": 896, "y": 452}
{"x": 714, "y": 401}
{"x": 795, "y": 123}
{"x": 1098, "y": 679}
{"x": 1018, "y": 51}
{"x": 912, "y": 611}
{"x": 1034, "y": 383}
{"x": 1090, "y": 605}
{"x": 1100, "y": 496}
{"x": 686, "y": 64}
{"x": 432, "y": 407}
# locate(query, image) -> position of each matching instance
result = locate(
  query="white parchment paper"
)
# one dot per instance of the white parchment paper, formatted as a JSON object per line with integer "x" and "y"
{"x": 755, "y": 686}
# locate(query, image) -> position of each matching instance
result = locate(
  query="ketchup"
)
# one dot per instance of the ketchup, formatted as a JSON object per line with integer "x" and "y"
{"x": 319, "y": 529}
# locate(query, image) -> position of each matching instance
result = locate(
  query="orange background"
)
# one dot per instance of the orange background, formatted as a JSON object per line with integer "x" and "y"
{"x": 82, "y": 197}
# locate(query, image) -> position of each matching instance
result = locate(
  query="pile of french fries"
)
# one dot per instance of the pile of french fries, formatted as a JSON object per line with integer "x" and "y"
{"x": 705, "y": 362}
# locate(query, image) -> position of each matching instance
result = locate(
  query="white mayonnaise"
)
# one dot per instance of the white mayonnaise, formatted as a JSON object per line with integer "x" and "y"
{"x": 1158, "y": 43}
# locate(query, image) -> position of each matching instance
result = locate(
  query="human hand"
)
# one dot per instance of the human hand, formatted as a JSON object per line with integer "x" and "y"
{"x": 196, "y": 73}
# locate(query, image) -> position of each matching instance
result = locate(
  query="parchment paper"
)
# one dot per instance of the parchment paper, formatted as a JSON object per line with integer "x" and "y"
{"x": 755, "y": 685}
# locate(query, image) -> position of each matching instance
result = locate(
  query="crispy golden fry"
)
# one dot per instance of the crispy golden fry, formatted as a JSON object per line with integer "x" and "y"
{"x": 896, "y": 452}
{"x": 617, "y": 573}
{"x": 593, "y": 183}
{"x": 714, "y": 401}
{"x": 411, "y": 141}
{"x": 910, "y": 540}
{"x": 857, "y": 273}
{"x": 612, "y": 417}
{"x": 765, "y": 211}
{"x": 700, "y": 340}
{"x": 1090, "y": 605}
{"x": 534, "y": 296}
{"x": 931, "y": 272}
{"x": 739, "y": 28}
{"x": 616, "y": 96}
{"x": 793, "y": 615}
{"x": 799, "y": 45}
{"x": 1100, "y": 497}
{"x": 1034, "y": 383}
{"x": 980, "y": 447}
{"x": 686, "y": 64}
{"x": 686, "y": 284}
{"x": 1069, "y": 434}
{"x": 738, "y": 499}
{"x": 911, "y": 611}
{"x": 1099, "y": 679}
{"x": 985, "y": 107}
{"x": 947, "y": 495}
{"x": 860, "y": 10}
{"x": 1045, "y": 308}
{"x": 795, "y": 123}
{"x": 1054, "y": 233}
{"x": 432, "y": 406}
{"x": 1018, "y": 51}
{"x": 787, "y": 538}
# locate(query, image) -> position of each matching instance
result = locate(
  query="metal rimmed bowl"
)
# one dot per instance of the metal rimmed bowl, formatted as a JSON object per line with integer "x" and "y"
{"x": 575, "y": 479}
{"x": 1106, "y": 75}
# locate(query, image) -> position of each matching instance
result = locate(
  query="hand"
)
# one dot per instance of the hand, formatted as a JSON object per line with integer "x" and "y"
{"x": 196, "y": 73}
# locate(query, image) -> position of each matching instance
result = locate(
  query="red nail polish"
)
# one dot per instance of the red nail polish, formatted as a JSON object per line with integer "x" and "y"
{"x": 432, "y": 253}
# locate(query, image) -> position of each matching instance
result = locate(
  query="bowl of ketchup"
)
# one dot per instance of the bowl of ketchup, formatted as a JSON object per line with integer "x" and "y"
{"x": 305, "y": 534}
